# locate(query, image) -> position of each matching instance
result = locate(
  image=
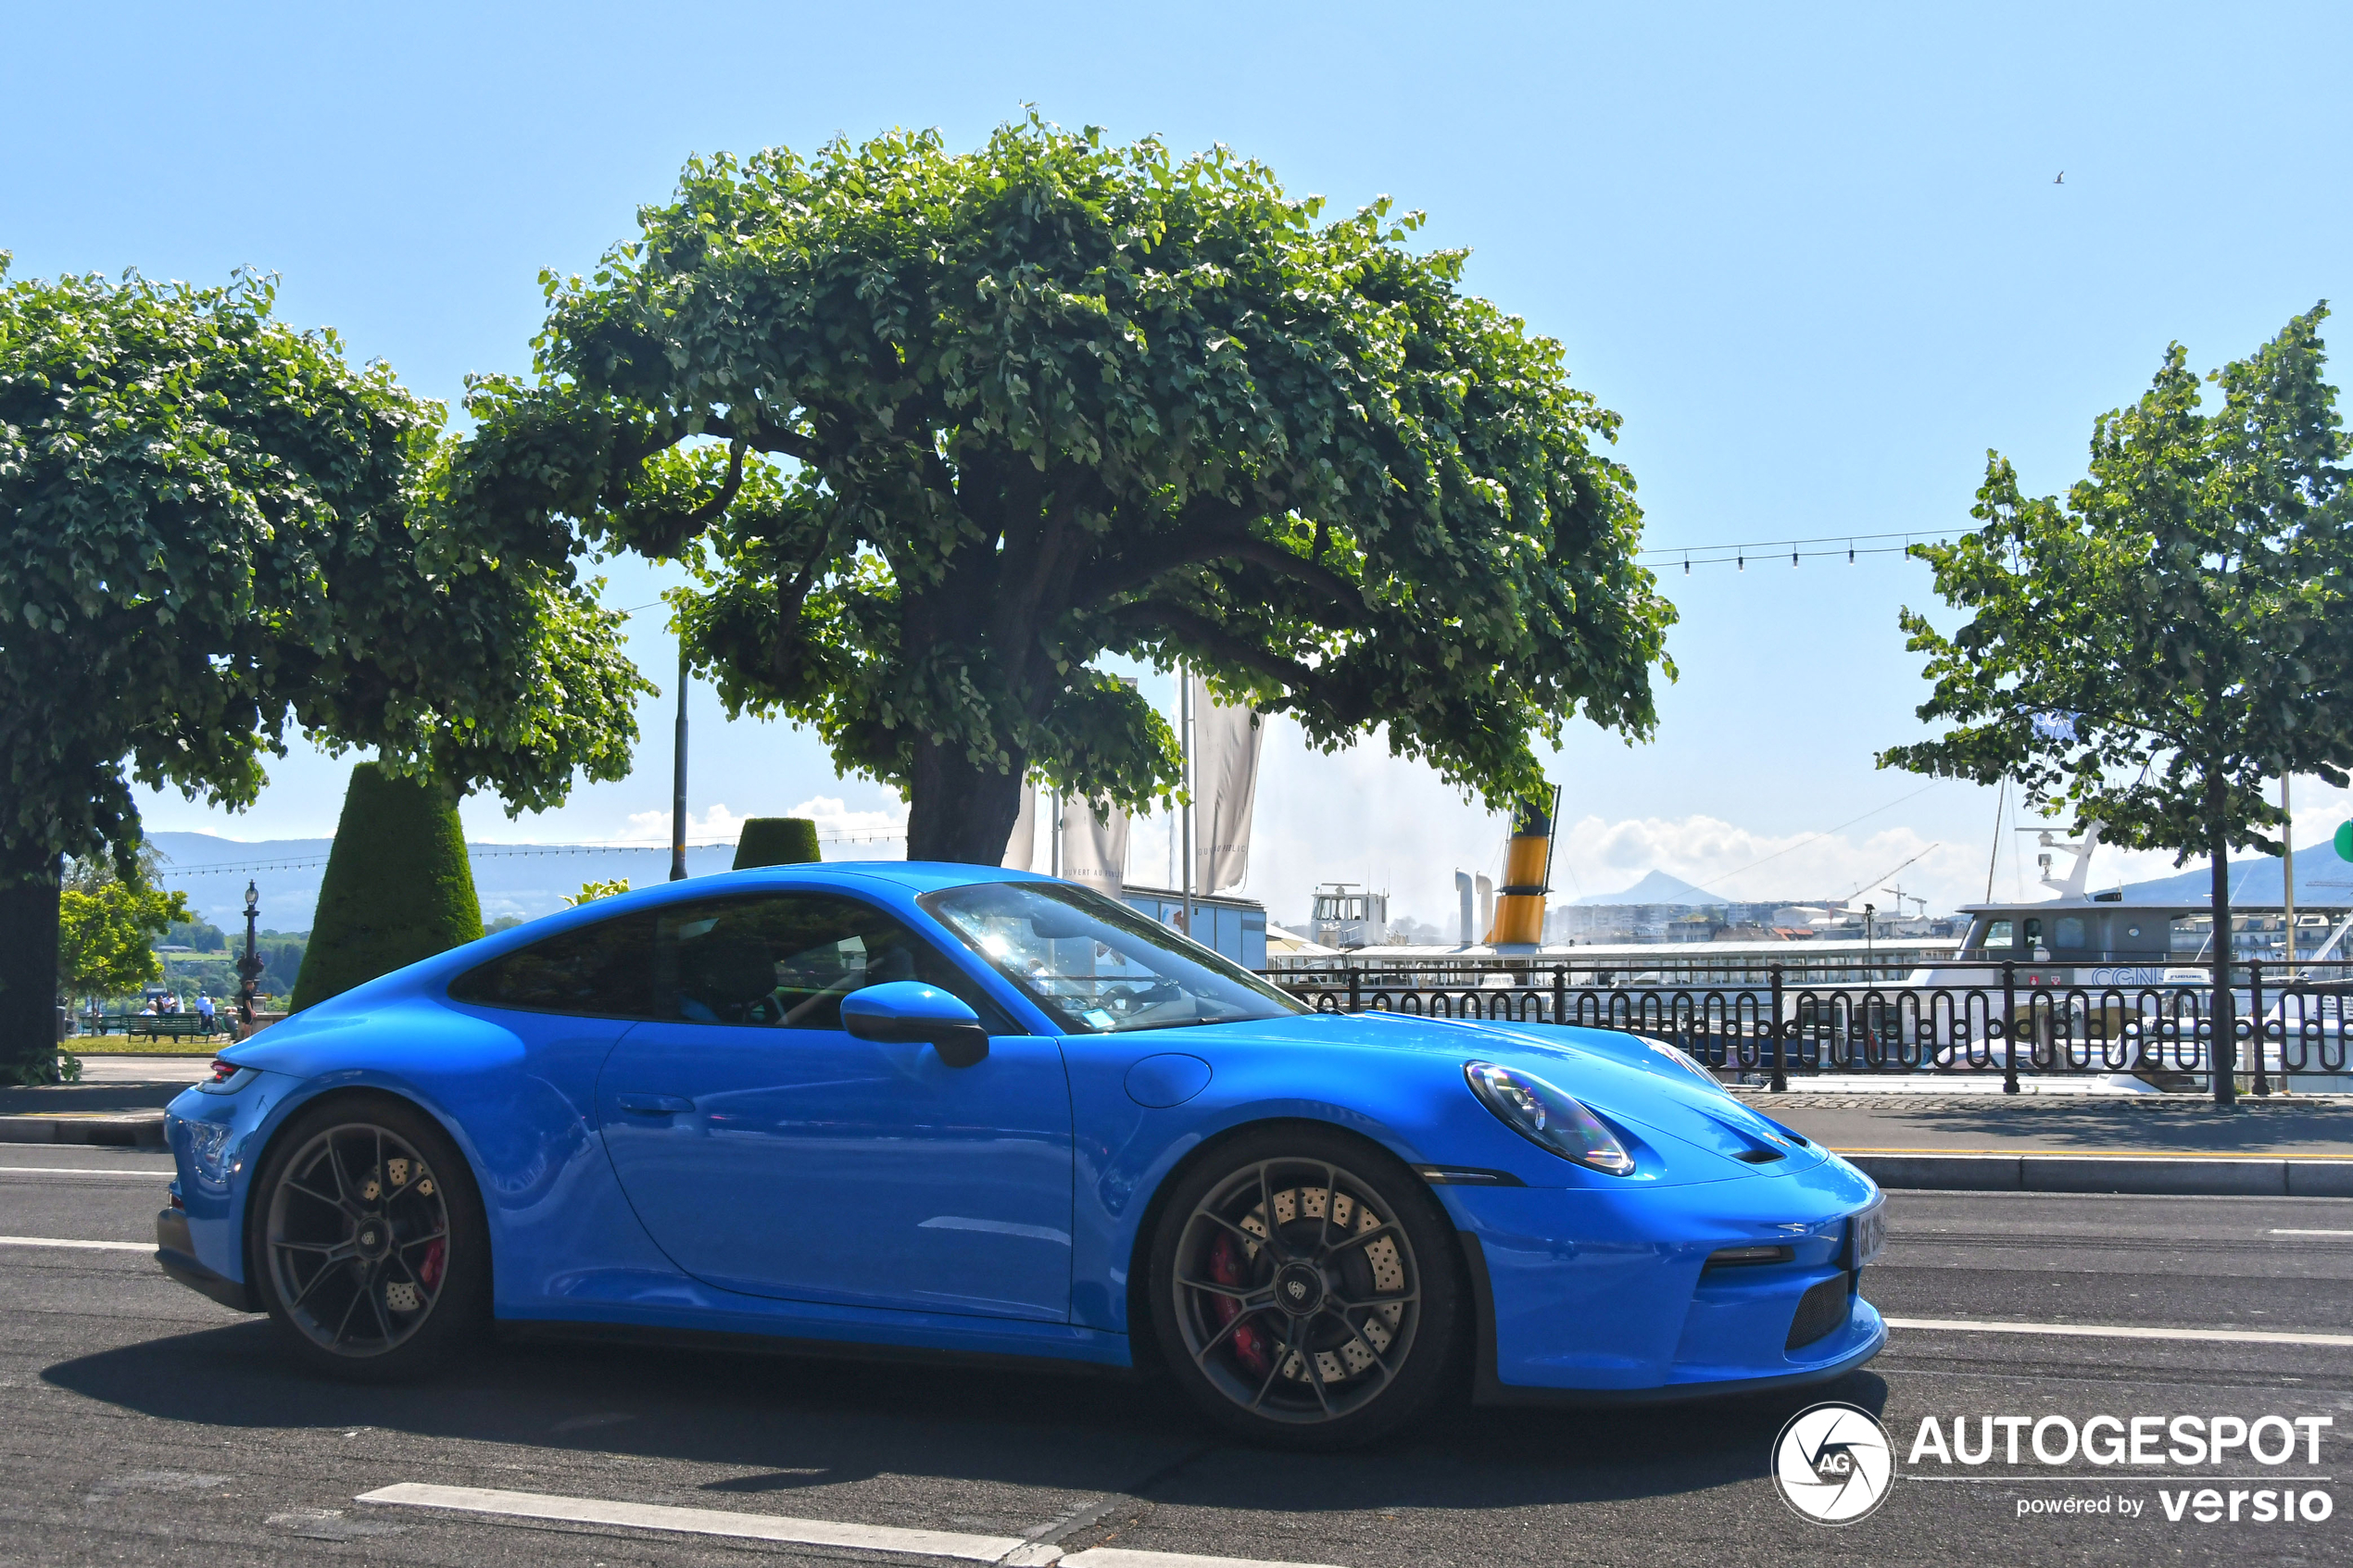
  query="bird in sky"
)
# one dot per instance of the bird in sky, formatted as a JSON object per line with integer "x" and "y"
{"x": 2062, "y": 178}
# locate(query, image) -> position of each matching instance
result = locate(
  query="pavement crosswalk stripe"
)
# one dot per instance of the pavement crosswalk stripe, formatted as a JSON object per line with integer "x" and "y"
{"x": 60, "y": 1241}
{"x": 2125, "y": 1331}
{"x": 1008, "y": 1551}
{"x": 711, "y": 1522}
{"x": 157, "y": 1175}
{"x": 2312, "y": 1233}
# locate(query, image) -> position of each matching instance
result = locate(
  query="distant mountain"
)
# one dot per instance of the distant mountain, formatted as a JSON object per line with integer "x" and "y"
{"x": 2320, "y": 878}
{"x": 1657, "y": 887}
{"x": 522, "y": 880}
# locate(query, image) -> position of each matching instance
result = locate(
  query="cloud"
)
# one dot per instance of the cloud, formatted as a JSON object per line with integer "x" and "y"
{"x": 718, "y": 825}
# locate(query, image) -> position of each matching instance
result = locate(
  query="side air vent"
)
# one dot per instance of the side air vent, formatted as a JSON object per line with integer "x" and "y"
{"x": 1759, "y": 1156}
{"x": 1821, "y": 1310}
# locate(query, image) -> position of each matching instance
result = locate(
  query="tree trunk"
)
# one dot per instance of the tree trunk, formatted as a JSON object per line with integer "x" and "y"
{"x": 958, "y": 811}
{"x": 2224, "y": 1055}
{"x": 29, "y": 969}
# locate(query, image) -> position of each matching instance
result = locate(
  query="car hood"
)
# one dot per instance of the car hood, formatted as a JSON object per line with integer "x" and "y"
{"x": 1617, "y": 1075}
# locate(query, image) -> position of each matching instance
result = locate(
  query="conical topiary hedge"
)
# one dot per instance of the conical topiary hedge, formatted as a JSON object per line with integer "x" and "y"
{"x": 777, "y": 841}
{"x": 397, "y": 886}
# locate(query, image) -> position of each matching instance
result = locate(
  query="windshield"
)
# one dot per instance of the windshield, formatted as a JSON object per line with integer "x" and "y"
{"x": 1095, "y": 966}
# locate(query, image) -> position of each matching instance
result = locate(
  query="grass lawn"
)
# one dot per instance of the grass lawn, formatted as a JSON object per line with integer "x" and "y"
{"x": 123, "y": 1045}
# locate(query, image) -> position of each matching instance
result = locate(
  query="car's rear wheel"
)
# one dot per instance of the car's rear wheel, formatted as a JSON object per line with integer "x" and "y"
{"x": 1305, "y": 1290}
{"x": 368, "y": 1248}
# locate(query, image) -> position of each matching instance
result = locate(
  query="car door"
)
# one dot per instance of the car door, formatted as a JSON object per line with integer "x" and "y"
{"x": 770, "y": 1152}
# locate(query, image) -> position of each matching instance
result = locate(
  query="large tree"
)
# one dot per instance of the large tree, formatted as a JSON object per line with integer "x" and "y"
{"x": 936, "y": 430}
{"x": 2152, "y": 649}
{"x": 215, "y": 530}
{"x": 108, "y": 924}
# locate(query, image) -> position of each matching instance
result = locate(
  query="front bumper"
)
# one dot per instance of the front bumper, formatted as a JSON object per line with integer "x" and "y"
{"x": 1593, "y": 1297}
{"x": 176, "y": 1256}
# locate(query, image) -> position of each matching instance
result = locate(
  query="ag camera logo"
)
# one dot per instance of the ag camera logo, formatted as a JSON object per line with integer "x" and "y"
{"x": 1833, "y": 1464}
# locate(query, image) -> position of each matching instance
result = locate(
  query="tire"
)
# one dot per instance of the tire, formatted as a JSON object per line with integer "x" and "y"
{"x": 1341, "y": 1326}
{"x": 368, "y": 1246}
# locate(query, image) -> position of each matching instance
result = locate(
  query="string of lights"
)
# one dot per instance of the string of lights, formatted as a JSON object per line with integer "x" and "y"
{"x": 1771, "y": 551}
{"x": 304, "y": 862}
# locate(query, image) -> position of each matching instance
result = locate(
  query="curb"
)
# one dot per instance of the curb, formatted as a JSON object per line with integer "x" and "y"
{"x": 2161, "y": 1176}
{"x": 134, "y": 1129}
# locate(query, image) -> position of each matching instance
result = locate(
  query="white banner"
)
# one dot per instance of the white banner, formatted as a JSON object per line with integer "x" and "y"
{"x": 1226, "y": 743}
{"x": 1022, "y": 848}
{"x": 1094, "y": 852}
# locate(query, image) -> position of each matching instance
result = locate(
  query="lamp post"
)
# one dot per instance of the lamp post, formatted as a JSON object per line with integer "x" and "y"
{"x": 678, "y": 776}
{"x": 249, "y": 968}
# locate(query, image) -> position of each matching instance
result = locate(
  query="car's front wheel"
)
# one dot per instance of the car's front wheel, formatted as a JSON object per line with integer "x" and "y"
{"x": 1305, "y": 1290}
{"x": 369, "y": 1245}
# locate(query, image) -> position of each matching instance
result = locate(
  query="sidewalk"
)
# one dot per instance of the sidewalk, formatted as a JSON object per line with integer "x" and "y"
{"x": 120, "y": 1101}
{"x": 2172, "y": 1143}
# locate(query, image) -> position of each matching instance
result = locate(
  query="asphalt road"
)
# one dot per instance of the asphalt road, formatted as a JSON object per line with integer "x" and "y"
{"x": 140, "y": 1422}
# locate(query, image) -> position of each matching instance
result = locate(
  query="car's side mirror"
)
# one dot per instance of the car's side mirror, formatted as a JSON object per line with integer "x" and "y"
{"x": 903, "y": 1012}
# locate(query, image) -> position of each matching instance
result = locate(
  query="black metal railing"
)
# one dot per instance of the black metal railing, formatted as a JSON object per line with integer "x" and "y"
{"x": 2005, "y": 1018}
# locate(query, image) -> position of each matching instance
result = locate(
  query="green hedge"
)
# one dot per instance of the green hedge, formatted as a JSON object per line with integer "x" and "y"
{"x": 777, "y": 841}
{"x": 397, "y": 886}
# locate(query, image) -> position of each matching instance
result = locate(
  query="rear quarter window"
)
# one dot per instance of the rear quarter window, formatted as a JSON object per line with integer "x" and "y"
{"x": 599, "y": 971}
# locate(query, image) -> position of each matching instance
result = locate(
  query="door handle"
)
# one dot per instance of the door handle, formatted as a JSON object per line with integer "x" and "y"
{"x": 653, "y": 1105}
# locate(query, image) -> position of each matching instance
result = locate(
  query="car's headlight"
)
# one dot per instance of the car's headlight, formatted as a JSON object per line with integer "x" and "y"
{"x": 1541, "y": 1114}
{"x": 1683, "y": 1059}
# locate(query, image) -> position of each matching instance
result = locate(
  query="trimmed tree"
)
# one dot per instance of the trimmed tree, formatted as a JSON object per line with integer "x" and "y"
{"x": 2154, "y": 648}
{"x": 214, "y": 530}
{"x": 934, "y": 432}
{"x": 397, "y": 888}
{"x": 777, "y": 841}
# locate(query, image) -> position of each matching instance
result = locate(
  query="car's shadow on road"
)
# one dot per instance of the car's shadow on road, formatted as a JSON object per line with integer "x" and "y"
{"x": 785, "y": 1423}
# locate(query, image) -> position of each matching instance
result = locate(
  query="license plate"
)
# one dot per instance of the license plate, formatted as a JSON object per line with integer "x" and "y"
{"x": 1869, "y": 1238}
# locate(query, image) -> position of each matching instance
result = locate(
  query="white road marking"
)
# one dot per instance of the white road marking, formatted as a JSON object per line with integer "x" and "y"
{"x": 2121, "y": 1331}
{"x": 59, "y": 1241}
{"x": 2312, "y": 1233}
{"x": 706, "y": 1522}
{"x": 159, "y": 1174}
{"x": 1006, "y": 1551}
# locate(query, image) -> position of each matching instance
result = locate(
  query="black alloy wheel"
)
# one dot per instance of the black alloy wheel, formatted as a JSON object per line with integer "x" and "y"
{"x": 370, "y": 1249}
{"x": 1305, "y": 1290}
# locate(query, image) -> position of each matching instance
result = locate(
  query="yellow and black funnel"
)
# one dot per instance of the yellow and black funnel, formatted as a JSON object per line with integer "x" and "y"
{"x": 1528, "y": 873}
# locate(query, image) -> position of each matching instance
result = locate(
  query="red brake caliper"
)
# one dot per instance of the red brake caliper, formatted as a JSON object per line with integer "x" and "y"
{"x": 1228, "y": 1266}
{"x": 429, "y": 1272}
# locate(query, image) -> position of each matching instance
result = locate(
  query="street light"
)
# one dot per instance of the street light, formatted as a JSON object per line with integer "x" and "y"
{"x": 249, "y": 968}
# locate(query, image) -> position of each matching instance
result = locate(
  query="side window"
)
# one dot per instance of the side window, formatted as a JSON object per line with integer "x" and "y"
{"x": 2067, "y": 933}
{"x": 785, "y": 960}
{"x": 601, "y": 970}
{"x": 1997, "y": 933}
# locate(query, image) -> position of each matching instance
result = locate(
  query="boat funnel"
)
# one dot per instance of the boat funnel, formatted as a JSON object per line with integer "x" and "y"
{"x": 1528, "y": 873}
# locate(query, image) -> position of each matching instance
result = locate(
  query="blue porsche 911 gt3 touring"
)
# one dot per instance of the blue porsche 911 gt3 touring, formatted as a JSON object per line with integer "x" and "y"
{"x": 956, "y": 1111}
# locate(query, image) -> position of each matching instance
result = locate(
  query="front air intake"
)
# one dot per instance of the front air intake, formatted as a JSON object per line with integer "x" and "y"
{"x": 1821, "y": 1310}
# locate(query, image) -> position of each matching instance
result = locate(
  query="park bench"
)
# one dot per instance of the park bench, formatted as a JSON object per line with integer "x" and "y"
{"x": 166, "y": 1025}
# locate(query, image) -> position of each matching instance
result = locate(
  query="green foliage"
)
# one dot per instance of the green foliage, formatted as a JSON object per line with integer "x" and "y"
{"x": 108, "y": 924}
{"x": 592, "y": 891}
{"x": 2177, "y": 624}
{"x": 933, "y": 432}
{"x": 214, "y": 528}
{"x": 777, "y": 841}
{"x": 196, "y": 936}
{"x": 397, "y": 886}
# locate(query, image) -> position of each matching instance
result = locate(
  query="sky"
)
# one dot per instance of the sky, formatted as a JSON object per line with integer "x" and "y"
{"x": 1819, "y": 258}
